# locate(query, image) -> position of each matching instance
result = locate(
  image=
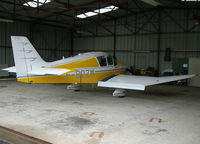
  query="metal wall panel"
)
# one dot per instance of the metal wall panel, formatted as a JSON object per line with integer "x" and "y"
{"x": 84, "y": 45}
{"x": 139, "y": 53}
{"x": 182, "y": 45}
{"x": 51, "y": 43}
{"x": 141, "y": 50}
{"x": 2, "y": 43}
{"x": 7, "y": 30}
{"x": 93, "y": 44}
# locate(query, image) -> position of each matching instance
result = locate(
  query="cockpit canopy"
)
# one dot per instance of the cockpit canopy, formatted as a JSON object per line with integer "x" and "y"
{"x": 107, "y": 60}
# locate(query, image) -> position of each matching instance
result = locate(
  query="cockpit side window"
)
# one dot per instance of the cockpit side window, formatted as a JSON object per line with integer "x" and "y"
{"x": 110, "y": 60}
{"x": 102, "y": 60}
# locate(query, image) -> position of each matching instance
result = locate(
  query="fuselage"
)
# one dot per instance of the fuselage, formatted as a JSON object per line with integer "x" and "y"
{"x": 86, "y": 68}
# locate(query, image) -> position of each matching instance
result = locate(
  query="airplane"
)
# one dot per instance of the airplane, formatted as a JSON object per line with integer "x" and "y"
{"x": 90, "y": 67}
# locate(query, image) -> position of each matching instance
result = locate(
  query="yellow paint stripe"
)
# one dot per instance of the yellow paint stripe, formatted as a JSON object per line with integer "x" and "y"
{"x": 69, "y": 79}
{"x": 71, "y": 70}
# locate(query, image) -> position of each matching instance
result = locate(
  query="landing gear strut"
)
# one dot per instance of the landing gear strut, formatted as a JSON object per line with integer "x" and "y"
{"x": 119, "y": 93}
{"x": 74, "y": 86}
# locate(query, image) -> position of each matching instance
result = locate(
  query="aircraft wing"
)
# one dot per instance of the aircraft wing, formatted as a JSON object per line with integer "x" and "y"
{"x": 43, "y": 71}
{"x": 137, "y": 82}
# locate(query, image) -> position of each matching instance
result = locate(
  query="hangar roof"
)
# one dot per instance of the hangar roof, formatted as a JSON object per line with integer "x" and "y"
{"x": 63, "y": 13}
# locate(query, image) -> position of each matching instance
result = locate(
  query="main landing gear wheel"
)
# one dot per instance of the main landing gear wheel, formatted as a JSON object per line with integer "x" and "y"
{"x": 75, "y": 86}
{"x": 120, "y": 93}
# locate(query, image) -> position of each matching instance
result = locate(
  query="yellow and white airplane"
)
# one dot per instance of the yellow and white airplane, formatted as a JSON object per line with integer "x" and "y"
{"x": 91, "y": 67}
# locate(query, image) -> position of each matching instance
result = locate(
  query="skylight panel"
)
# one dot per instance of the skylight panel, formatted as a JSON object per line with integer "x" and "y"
{"x": 36, "y": 3}
{"x": 106, "y": 9}
{"x": 97, "y": 11}
{"x": 88, "y": 14}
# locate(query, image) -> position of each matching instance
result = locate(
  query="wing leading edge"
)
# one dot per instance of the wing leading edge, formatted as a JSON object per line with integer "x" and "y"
{"x": 138, "y": 82}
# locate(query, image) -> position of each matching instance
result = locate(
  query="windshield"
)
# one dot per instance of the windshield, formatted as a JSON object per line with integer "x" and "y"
{"x": 107, "y": 60}
{"x": 102, "y": 60}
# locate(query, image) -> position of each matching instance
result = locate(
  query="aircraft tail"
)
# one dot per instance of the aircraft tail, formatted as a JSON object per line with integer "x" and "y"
{"x": 25, "y": 56}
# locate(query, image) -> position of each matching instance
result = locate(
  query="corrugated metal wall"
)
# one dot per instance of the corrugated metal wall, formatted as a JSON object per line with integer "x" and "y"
{"x": 127, "y": 50}
{"x": 6, "y": 30}
{"x": 141, "y": 50}
{"x": 51, "y": 43}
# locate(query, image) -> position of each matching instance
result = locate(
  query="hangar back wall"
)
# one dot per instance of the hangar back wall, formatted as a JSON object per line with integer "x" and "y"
{"x": 52, "y": 43}
{"x": 139, "y": 37}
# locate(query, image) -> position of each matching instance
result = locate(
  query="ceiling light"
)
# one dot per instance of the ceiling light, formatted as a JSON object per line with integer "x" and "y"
{"x": 106, "y": 9}
{"x": 36, "y": 3}
{"x": 87, "y": 14}
{"x": 97, "y": 11}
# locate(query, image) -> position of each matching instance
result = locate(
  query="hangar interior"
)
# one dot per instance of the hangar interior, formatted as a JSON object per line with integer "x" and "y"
{"x": 160, "y": 35}
{"x": 138, "y": 33}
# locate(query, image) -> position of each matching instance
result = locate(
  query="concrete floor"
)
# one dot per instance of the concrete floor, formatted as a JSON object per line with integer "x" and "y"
{"x": 92, "y": 116}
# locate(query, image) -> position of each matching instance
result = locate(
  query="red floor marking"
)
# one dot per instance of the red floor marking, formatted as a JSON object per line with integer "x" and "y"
{"x": 89, "y": 113}
{"x": 159, "y": 120}
{"x": 101, "y": 134}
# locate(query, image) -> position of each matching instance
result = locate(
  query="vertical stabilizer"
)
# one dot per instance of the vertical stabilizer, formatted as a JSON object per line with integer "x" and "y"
{"x": 25, "y": 56}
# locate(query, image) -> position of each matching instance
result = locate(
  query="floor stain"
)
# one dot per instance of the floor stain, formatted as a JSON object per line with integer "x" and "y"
{"x": 93, "y": 141}
{"x": 160, "y": 93}
{"x": 78, "y": 103}
{"x": 153, "y": 132}
{"x": 3, "y": 86}
{"x": 73, "y": 124}
{"x": 4, "y": 142}
{"x": 186, "y": 91}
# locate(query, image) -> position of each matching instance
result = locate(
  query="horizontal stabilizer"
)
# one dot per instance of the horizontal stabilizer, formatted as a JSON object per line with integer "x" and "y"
{"x": 138, "y": 82}
{"x": 10, "y": 69}
{"x": 42, "y": 71}
{"x": 49, "y": 71}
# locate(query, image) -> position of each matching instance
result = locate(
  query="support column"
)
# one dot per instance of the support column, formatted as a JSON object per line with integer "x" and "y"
{"x": 135, "y": 44}
{"x": 159, "y": 42}
{"x": 114, "y": 44}
{"x": 5, "y": 35}
{"x": 55, "y": 44}
{"x": 72, "y": 44}
{"x": 31, "y": 32}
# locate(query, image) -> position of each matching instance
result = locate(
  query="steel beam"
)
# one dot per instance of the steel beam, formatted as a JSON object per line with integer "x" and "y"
{"x": 159, "y": 42}
{"x": 114, "y": 40}
{"x": 72, "y": 44}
